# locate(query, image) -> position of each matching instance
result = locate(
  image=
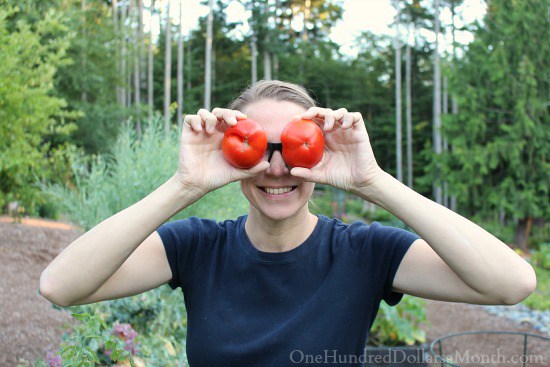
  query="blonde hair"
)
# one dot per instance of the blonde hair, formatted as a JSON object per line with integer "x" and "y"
{"x": 275, "y": 90}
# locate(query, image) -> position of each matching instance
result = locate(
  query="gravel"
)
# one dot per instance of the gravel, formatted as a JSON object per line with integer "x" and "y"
{"x": 523, "y": 315}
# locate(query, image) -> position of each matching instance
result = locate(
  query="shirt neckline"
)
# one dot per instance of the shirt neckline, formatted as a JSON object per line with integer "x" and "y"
{"x": 279, "y": 257}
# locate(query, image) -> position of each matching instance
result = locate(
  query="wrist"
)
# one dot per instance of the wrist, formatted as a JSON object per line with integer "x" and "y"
{"x": 184, "y": 193}
{"x": 377, "y": 188}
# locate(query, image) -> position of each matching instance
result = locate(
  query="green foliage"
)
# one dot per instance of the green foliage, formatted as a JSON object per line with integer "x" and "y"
{"x": 541, "y": 257}
{"x": 34, "y": 124}
{"x": 158, "y": 316}
{"x": 78, "y": 350}
{"x": 401, "y": 324}
{"x": 108, "y": 184}
{"x": 500, "y": 139}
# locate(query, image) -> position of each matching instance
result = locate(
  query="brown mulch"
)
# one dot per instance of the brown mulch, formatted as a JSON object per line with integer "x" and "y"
{"x": 29, "y": 326}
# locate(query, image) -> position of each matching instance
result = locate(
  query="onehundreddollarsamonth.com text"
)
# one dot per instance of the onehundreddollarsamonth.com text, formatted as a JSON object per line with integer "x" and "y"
{"x": 398, "y": 356}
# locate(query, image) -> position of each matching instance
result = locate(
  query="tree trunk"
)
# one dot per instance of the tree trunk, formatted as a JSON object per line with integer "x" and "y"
{"x": 123, "y": 54}
{"x": 253, "y": 54}
{"x": 523, "y": 229}
{"x": 454, "y": 100}
{"x": 84, "y": 91}
{"x": 117, "y": 51}
{"x": 437, "y": 108}
{"x": 150, "y": 87}
{"x": 398, "y": 108}
{"x": 267, "y": 65}
{"x": 409, "y": 116}
{"x": 180, "y": 67}
{"x": 137, "y": 59}
{"x": 445, "y": 147}
{"x": 208, "y": 58}
{"x": 167, "y": 71}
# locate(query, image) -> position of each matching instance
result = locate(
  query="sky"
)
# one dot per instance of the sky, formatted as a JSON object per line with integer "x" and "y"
{"x": 359, "y": 15}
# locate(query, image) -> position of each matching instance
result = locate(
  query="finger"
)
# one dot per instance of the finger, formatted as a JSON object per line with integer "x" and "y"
{"x": 229, "y": 117}
{"x": 247, "y": 173}
{"x": 209, "y": 120}
{"x": 329, "y": 122}
{"x": 194, "y": 122}
{"x": 339, "y": 115}
{"x": 310, "y": 175}
{"x": 316, "y": 112}
{"x": 350, "y": 119}
{"x": 239, "y": 115}
{"x": 347, "y": 121}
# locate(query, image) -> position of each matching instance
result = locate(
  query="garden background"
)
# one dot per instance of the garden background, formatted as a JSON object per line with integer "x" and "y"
{"x": 91, "y": 103}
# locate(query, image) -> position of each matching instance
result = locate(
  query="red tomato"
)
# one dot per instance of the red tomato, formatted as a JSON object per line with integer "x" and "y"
{"x": 244, "y": 144}
{"x": 303, "y": 143}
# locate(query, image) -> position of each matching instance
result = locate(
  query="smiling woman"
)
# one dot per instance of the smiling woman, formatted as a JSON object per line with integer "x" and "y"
{"x": 280, "y": 282}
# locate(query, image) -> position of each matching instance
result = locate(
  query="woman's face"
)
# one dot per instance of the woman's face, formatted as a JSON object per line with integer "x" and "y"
{"x": 274, "y": 193}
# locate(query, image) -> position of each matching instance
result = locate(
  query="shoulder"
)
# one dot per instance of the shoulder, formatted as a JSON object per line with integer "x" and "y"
{"x": 196, "y": 229}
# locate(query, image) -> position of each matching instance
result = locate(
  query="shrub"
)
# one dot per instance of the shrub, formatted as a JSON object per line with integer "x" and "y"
{"x": 400, "y": 325}
{"x": 107, "y": 184}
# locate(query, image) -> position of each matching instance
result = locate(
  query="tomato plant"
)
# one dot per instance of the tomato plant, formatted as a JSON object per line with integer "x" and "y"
{"x": 303, "y": 143}
{"x": 244, "y": 144}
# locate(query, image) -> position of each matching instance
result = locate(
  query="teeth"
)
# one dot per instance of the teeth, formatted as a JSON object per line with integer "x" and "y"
{"x": 279, "y": 191}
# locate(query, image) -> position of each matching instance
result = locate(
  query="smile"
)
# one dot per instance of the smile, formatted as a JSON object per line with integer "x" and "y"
{"x": 278, "y": 191}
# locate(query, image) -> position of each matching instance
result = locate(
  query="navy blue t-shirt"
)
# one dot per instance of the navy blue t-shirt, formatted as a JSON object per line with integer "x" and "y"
{"x": 246, "y": 307}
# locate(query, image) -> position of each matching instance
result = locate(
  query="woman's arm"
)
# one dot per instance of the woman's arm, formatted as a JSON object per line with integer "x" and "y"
{"x": 87, "y": 263}
{"x": 456, "y": 260}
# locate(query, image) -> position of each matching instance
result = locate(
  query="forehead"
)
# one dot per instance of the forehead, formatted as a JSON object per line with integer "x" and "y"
{"x": 273, "y": 115}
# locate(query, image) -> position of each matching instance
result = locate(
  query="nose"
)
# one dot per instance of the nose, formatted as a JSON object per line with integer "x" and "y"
{"x": 277, "y": 165}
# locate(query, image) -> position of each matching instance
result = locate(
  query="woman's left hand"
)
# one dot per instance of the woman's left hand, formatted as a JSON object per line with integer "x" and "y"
{"x": 349, "y": 162}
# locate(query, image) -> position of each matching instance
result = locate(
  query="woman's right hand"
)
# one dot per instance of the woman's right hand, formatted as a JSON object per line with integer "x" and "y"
{"x": 201, "y": 164}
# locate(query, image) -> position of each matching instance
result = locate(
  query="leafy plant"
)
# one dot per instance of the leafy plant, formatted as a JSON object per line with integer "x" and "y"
{"x": 400, "y": 325}
{"x": 78, "y": 350}
{"x": 107, "y": 184}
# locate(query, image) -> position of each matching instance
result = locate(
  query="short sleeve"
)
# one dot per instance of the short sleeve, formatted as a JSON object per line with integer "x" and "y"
{"x": 380, "y": 250}
{"x": 187, "y": 243}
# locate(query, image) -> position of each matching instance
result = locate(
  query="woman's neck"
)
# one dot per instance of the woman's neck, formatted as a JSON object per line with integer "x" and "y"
{"x": 270, "y": 235}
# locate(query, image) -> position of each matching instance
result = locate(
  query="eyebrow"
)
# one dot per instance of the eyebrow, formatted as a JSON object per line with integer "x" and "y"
{"x": 272, "y": 147}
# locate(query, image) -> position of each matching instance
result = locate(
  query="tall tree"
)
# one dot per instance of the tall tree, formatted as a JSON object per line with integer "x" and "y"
{"x": 398, "y": 107}
{"x": 167, "y": 69}
{"x": 500, "y": 137}
{"x": 208, "y": 57}
{"x": 150, "y": 65}
{"x": 180, "y": 66}
{"x": 437, "y": 145}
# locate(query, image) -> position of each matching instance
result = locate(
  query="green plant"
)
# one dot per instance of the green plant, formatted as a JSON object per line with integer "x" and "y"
{"x": 401, "y": 324}
{"x": 541, "y": 257}
{"x": 80, "y": 349}
{"x": 107, "y": 184}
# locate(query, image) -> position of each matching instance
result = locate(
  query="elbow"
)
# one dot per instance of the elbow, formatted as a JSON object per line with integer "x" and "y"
{"x": 525, "y": 285}
{"x": 47, "y": 290}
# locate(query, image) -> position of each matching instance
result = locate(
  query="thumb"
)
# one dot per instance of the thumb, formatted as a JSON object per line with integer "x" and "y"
{"x": 250, "y": 172}
{"x": 306, "y": 174}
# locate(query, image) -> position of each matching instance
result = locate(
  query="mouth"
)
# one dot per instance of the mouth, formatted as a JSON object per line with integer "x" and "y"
{"x": 278, "y": 190}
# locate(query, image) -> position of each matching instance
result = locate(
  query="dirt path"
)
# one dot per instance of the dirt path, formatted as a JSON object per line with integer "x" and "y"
{"x": 29, "y": 326}
{"x": 28, "y": 323}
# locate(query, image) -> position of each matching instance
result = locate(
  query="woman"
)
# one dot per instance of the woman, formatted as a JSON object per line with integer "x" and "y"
{"x": 281, "y": 285}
